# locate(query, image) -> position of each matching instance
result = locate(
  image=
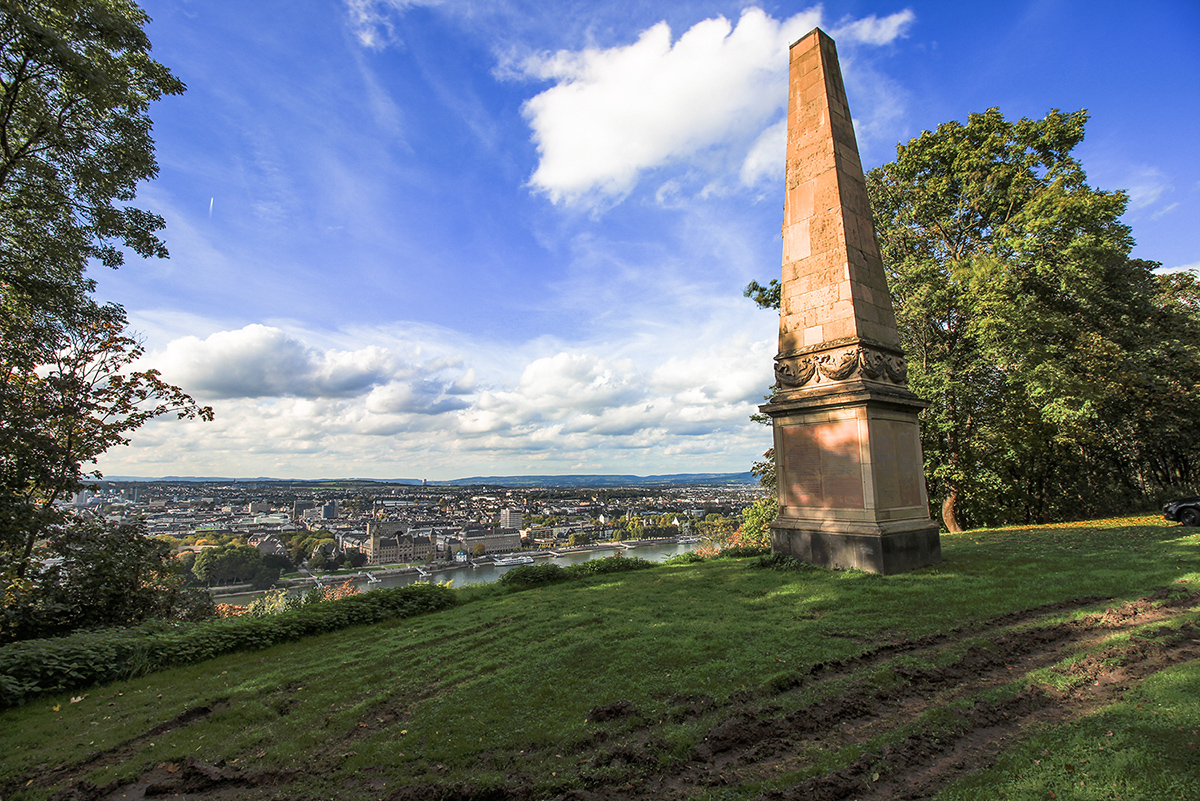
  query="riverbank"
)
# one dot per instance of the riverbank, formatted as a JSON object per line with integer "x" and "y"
{"x": 479, "y": 570}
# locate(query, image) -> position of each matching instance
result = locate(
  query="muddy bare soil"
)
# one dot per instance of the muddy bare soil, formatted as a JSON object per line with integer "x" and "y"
{"x": 753, "y": 738}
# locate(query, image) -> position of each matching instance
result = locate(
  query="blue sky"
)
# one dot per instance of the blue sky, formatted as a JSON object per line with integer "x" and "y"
{"x": 413, "y": 238}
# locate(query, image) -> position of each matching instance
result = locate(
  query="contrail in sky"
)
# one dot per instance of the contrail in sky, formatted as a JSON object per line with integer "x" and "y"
{"x": 210, "y": 202}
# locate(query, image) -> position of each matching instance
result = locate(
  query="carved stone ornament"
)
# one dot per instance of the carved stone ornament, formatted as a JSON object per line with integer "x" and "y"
{"x": 794, "y": 374}
{"x": 838, "y": 366}
{"x": 841, "y": 365}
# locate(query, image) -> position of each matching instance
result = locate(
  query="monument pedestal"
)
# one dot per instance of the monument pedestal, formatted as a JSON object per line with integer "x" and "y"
{"x": 851, "y": 484}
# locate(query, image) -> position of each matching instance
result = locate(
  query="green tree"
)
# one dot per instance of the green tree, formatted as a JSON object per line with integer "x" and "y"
{"x": 715, "y": 527}
{"x": 764, "y": 469}
{"x": 756, "y": 522}
{"x": 187, "y": 559}
{"x": 1023, "y": 316}
{"x": 98, "y": 574}
{"x": 635, "y": 528}
{"x": 715, "y": 530}
{"x": 228, "y": 564}
{"x": 76, "y": 80}
{"x": 81, "y": 400}
{"x": 277, "y": 560}
{"x": 264, "y": 578}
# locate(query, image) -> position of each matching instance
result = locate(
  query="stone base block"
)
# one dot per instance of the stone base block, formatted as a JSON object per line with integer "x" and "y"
{"x": 875, "y": 553}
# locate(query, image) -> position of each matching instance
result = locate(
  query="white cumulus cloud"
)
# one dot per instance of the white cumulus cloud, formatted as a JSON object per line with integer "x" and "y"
{"x": 767, "y": 154}
{"x": 615, "y": 113}
{"x": 293, "y": 403}
{"x": 260, "y": 361}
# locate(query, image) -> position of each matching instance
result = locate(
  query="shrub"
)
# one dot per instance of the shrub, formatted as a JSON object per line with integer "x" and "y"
{"x": 742, "y": 551}
{"x": 781, "y": 561}
{"x": 33, "y": 667}
{"x": 609, "y": 564}
{"x": 539, "y": 575}
{"x": 271, "y": 603}
{"x": 533, "y": 575}
{"x": 685, "y": 558}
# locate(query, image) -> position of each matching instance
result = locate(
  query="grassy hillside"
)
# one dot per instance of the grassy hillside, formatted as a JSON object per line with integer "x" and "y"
{"x": 1056, "y": 661}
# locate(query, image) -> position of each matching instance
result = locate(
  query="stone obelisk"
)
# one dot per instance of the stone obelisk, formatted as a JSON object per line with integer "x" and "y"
{"x": 847, "y": 438}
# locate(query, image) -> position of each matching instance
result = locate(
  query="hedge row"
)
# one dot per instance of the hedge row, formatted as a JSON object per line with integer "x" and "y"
{"x": 32, "y": 667}
{"x": 534, "y": 575}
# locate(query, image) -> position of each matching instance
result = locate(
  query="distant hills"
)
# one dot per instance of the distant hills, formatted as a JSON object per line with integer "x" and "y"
{"x": 671, "y": 480}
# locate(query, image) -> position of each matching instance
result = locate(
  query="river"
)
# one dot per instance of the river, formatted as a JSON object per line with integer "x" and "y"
{"x": 485, "y": 573}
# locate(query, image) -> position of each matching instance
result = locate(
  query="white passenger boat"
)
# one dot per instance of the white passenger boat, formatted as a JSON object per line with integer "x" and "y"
{"x": 512, "y": 560}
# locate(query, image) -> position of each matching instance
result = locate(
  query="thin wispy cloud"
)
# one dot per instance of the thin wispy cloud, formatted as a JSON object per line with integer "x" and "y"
{"x": 1146, "y": 186}
{"x": 372, "y": 21}
{"x": 875, "y": 30}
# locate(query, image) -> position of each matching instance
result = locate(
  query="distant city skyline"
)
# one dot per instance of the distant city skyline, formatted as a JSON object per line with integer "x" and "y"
{"x": 443, "y": 239}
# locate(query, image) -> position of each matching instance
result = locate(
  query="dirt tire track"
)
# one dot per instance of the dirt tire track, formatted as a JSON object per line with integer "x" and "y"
{"x": 117, "y": 754}
{"x": 839, "y": 667}
{"x": 925, "y": 763}
{"x": 752, "y": 744}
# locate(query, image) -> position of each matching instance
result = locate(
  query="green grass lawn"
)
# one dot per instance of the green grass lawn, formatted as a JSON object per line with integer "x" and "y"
{"x": 497, "y": 692}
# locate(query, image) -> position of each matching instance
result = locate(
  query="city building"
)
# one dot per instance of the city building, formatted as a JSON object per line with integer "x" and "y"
{"x": 387, "y": 543}
{"x": 496, "y": 540}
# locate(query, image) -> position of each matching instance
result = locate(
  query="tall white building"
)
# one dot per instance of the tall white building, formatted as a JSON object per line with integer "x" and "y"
{"x": 511, "y": 518}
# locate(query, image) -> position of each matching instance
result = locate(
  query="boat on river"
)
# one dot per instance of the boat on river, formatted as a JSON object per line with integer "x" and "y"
{"x": 505, "y": 561}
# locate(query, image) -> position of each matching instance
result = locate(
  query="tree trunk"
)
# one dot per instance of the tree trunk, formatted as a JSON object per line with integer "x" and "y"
{"x": 950, "y": 511}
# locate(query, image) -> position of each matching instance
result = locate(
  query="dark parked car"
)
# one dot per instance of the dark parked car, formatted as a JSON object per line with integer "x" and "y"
{"x": 1186, "y": 511}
